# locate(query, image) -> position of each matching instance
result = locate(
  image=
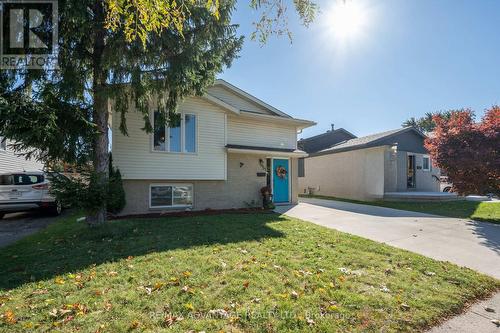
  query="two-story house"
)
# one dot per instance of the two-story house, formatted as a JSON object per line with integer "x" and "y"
{"x": 229, "y": 145}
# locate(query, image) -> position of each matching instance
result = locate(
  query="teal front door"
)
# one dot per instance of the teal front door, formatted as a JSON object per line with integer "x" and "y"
{"x": 281, "y": 177}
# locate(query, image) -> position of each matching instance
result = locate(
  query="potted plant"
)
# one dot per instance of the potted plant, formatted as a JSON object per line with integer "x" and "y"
{"x": 266, "y": 194}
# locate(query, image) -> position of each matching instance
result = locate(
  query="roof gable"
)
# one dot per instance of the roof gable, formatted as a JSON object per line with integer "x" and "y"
{"x": 242, "y": 100}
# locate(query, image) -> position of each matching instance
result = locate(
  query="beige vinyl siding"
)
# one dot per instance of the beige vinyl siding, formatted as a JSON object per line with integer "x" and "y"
{"x": 10, "y": 162}
{"x": 356, "y": 174}
{"x": 260, "y": 133}
{"x": 238, "y": 102}
{"x": 134, "y": 156}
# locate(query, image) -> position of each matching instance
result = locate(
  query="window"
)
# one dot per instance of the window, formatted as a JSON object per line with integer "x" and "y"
{"x": 301, "y": 172}
{"x": 3, "y": 143}
{"x": 426, "y": 163}
{"x": 179, "y": 195}
{"x": 21, "y": 179}
{"x": 190, "y": 133}
{"x": 177, "y": 139}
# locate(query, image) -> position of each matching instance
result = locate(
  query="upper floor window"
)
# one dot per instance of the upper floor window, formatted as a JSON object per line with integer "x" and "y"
{"x": 3, "y": 143}
{"x": 178, "y": 139}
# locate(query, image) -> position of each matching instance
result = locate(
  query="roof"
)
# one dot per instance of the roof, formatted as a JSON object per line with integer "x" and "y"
{"x": 325, "y": 140}
{"x": 252, "y": 98}
{"x": 253, "y": 149}
{"x": 373, "y": 140}
{"x": 285, "y": 150}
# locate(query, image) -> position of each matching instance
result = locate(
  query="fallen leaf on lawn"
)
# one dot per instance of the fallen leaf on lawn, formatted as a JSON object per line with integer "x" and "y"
{"x": 384, "y": 289}
{"x": 405, "y": 307}
{"x": 305, "y": 272}
{"x": 170, "y": 320}
{"x": 9, "y": 317}
{"x": 112, "y": 273}
{"x": 294, "y": 294}
{"x": 218, "y": 313}
{"x": 243, "y": 251}
{"x": 158, "y": 285}
{"x": 59, "y": 280}
{"x": 310, "y": 322}
{"x": 185, "y": 289}
{"x": 134, "y": 325}
{"x": 71, "y": 276}
{"x": 246, "y": 284}
{"x": 223, "y": 264}
{"x": 186, "y": 273}
{"x": 429, "y": 273}
{"x": 40, "y": 292}
{"x": 277, "y": 267}
{"x": 53, "y": 312}
{"x": 255, "y": 300}
{"x": 130, "y": 257}
{"x": 282, "y": 295}
{"x": 189, "y": 306}
{"x": 233, "y": 320}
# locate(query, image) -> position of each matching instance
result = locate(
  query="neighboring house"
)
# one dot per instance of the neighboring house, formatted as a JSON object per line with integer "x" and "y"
{"x": 10, "y": 161}
{"x": 372, "y": 167}
{"x": 320, "y": 142}
{"x": 325, "y": 140}
{"x": 228, "y": 146}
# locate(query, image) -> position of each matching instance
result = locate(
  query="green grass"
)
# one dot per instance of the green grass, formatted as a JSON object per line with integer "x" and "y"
{"x": 481, "y": 211}
{"x": 261, "y": 272}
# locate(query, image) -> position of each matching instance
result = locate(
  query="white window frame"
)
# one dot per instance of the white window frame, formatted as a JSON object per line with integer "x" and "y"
{"x": 183, "y": 136}
{"x": 171, "y": 185}
{"x": 3, "y": 144}
{"x": 429, "y": 165}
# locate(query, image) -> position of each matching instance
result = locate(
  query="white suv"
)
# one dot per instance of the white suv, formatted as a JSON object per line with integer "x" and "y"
{"x": 24, "y": 191}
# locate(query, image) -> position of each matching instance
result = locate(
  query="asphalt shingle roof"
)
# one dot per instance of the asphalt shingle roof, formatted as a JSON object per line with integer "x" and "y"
{"x": 362, "y": 142}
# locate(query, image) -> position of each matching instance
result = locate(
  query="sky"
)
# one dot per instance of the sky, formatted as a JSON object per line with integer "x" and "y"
{"x": 405, "y": 58}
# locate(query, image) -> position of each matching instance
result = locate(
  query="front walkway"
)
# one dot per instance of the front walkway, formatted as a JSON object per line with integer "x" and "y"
{"x": 466, "y": 243}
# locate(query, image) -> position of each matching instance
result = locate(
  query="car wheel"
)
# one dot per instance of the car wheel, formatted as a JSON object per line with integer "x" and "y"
{"x": 447, "y": 189}
{"x": 56, "y": 209}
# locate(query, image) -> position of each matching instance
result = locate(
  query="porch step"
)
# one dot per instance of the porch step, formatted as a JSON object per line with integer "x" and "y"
{"x": 420, "y": 196}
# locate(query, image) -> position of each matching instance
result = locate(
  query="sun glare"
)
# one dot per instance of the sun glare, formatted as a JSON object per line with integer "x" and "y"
{"x": 347, "y": 19}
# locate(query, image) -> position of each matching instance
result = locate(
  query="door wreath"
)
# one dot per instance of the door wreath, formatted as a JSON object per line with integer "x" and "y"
{"x": 281, "y": 172}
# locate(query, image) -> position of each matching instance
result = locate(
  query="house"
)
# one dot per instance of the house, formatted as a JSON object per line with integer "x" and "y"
{"x": 372, "y": 167}
{"x": 228, "y": 146}
{"x": 325, "y": 140}
{"x": 10, "y": 161}
{"x": 322, "y": 141}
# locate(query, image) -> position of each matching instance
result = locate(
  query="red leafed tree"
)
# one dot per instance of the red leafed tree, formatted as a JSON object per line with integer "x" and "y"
{"x": 468, "y": 152}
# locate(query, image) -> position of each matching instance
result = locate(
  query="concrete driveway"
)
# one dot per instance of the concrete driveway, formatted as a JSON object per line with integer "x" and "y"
{"x": 467, "y": 243}
{"x": 18, "y": 225}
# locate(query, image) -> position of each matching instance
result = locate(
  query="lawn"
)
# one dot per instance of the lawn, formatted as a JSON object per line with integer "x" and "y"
{"x": 255, "y": 272}
{"x": 481, "y": 211}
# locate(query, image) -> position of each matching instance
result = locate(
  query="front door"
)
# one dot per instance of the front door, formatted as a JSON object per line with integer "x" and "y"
{"x": 411, "y": 182}
{"x": 280, "y": 180}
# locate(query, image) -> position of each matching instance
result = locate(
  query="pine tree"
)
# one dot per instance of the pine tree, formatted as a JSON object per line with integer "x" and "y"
{"x": 63, "y": 113}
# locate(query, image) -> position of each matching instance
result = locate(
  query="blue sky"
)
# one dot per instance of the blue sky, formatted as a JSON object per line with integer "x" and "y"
{"x": 411, "y": 57}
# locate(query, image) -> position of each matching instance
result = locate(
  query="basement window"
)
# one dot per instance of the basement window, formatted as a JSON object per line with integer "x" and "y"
{"x": 170, "y": 195}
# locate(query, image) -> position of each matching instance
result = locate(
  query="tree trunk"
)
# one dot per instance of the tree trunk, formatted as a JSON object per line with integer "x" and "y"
{"x": 100, "y": 110}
